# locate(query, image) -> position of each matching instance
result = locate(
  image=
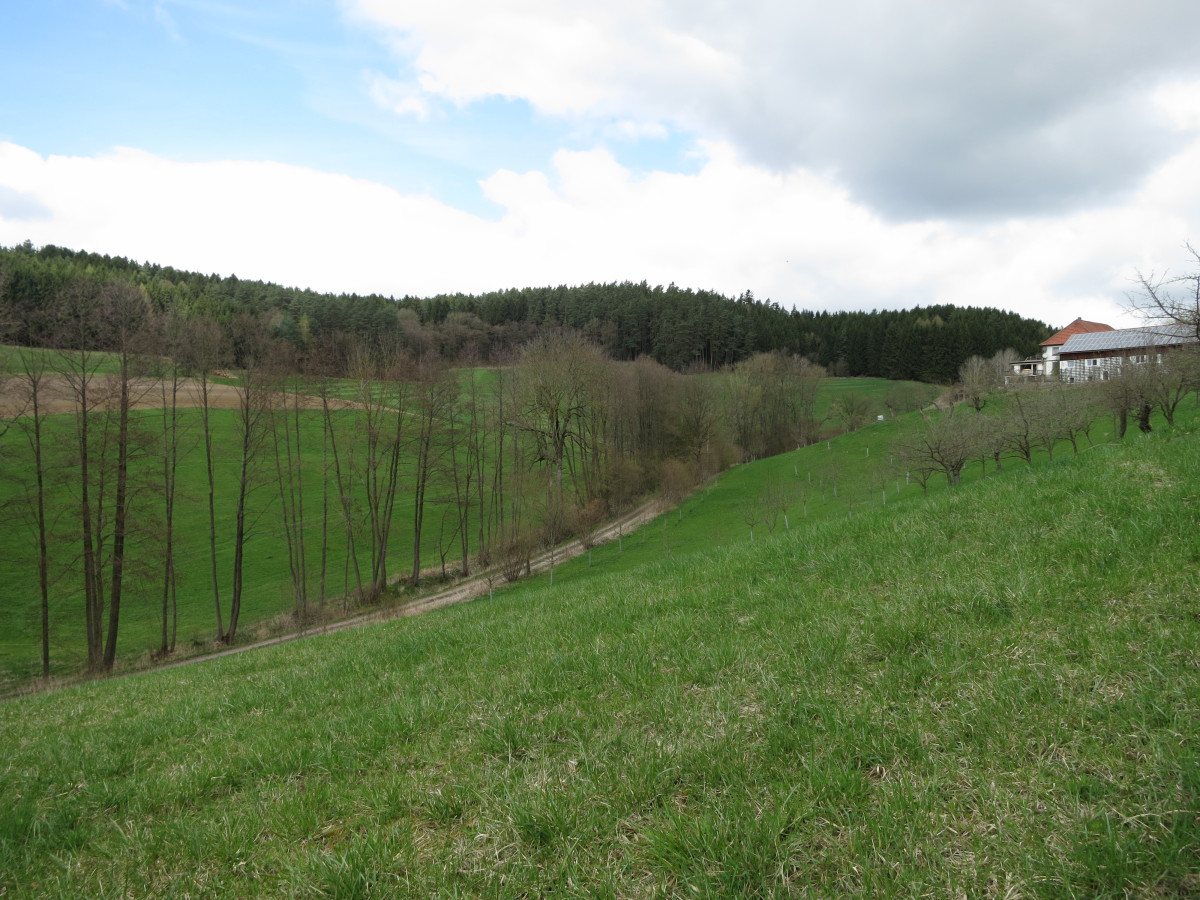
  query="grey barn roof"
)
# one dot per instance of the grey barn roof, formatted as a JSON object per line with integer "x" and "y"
{"x": 1129, "y": 339}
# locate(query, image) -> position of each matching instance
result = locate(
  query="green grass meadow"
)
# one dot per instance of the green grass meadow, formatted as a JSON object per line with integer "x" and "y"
{"x": 986, "y": 692}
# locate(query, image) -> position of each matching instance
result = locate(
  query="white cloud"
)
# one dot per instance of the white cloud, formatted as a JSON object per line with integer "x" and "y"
{"x": 920, "y": 107}
{"x": 566, "y": 58}
{"x": 731, "y": 226}
{"x": 1179, "y": 103}
{"x": 629, "y": 130}
{"x": 398, "y": 97}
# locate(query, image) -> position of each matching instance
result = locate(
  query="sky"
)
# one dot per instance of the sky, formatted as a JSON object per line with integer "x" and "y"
{"x": 1031, "y": 155}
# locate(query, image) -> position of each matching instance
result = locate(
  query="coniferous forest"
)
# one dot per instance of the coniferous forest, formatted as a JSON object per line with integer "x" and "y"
{"x": 678, "y": 327}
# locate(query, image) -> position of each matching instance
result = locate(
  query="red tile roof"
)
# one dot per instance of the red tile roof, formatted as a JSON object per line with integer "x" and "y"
{"x": 1077, "y": 327}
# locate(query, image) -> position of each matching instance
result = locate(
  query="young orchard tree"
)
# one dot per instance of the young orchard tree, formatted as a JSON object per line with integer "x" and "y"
{"x": 1028, "y": 422}
{"x": 945, "y": 445}
{"x": 1072, "y": 410}
{"x": 1172, "y": 299}
{"x": 1169, "y": 377}
{"x": 558, "y": 523}
{"x": 1128, "y": 391}
{"x": 751, "y": 511}
{"x": 775, "y": 499}
{"x": 978, "y": 377}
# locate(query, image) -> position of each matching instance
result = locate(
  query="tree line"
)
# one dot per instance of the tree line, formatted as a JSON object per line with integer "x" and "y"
{"x": 678, "y": 327}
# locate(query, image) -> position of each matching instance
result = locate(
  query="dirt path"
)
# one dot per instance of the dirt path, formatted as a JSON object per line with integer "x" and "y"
{"x": 466, "y": 590}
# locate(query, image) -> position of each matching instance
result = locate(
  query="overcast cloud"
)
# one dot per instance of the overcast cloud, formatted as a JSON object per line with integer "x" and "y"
{"x": 921, "y": 108}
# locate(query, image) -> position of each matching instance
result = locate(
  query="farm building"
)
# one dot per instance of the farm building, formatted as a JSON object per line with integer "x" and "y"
{"x": 1095, "y": 356}
{"x": 1047, "y": 363}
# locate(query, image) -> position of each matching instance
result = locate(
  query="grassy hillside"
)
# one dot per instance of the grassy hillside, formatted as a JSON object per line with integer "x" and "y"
{"x": 268, "y": 580}
{"x": 847, "y": 476}
{"x": 990, "y": 692}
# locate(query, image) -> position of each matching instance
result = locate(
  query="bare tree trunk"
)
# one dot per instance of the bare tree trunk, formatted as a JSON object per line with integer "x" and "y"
{"x": 170, "y": 460}
{"x": 433, "y": 396}
{"x": 390, "y": 488}
{"x": 212, "y": 503}
{"x": 33, "y": 370}
{"x": 250, "y": 426}
{"x": 344, "y": 495}
{"x": 79, "y": 368}
{"x": 1144, "y": 410}
{"x": 285, "y": 427}
{"x": 324, "y": 496}
{"x": 461, "y": 473}
{"x": 120, "y": 517}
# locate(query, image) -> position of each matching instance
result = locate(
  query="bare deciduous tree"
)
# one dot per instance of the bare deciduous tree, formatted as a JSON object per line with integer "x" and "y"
{"x": 1169, "y": 377}
{"x": 31, "y": 386}
{"x": 434, "y": 390}
{"x": 557, "y": 378}
{"x": 854, "y": 410}
{"x": 1171, "y": 298}
{"x": 945, "y": 444}
{"x": 170, "y": 331}
{"x": 978, "y": 377}
{"x": 201, "y": 356}
{"x": 250, "y": 426}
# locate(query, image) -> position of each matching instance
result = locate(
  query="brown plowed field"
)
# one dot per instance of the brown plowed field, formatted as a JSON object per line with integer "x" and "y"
{"x": 58, "y": 397}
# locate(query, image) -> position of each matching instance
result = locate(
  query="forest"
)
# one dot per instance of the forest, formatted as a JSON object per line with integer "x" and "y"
{"x": 680, "y": 328}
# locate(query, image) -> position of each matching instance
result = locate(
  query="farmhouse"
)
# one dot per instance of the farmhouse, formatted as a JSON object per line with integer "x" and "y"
{"x": 1095, "y": 356}
{"x": 1047, "y": 363}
